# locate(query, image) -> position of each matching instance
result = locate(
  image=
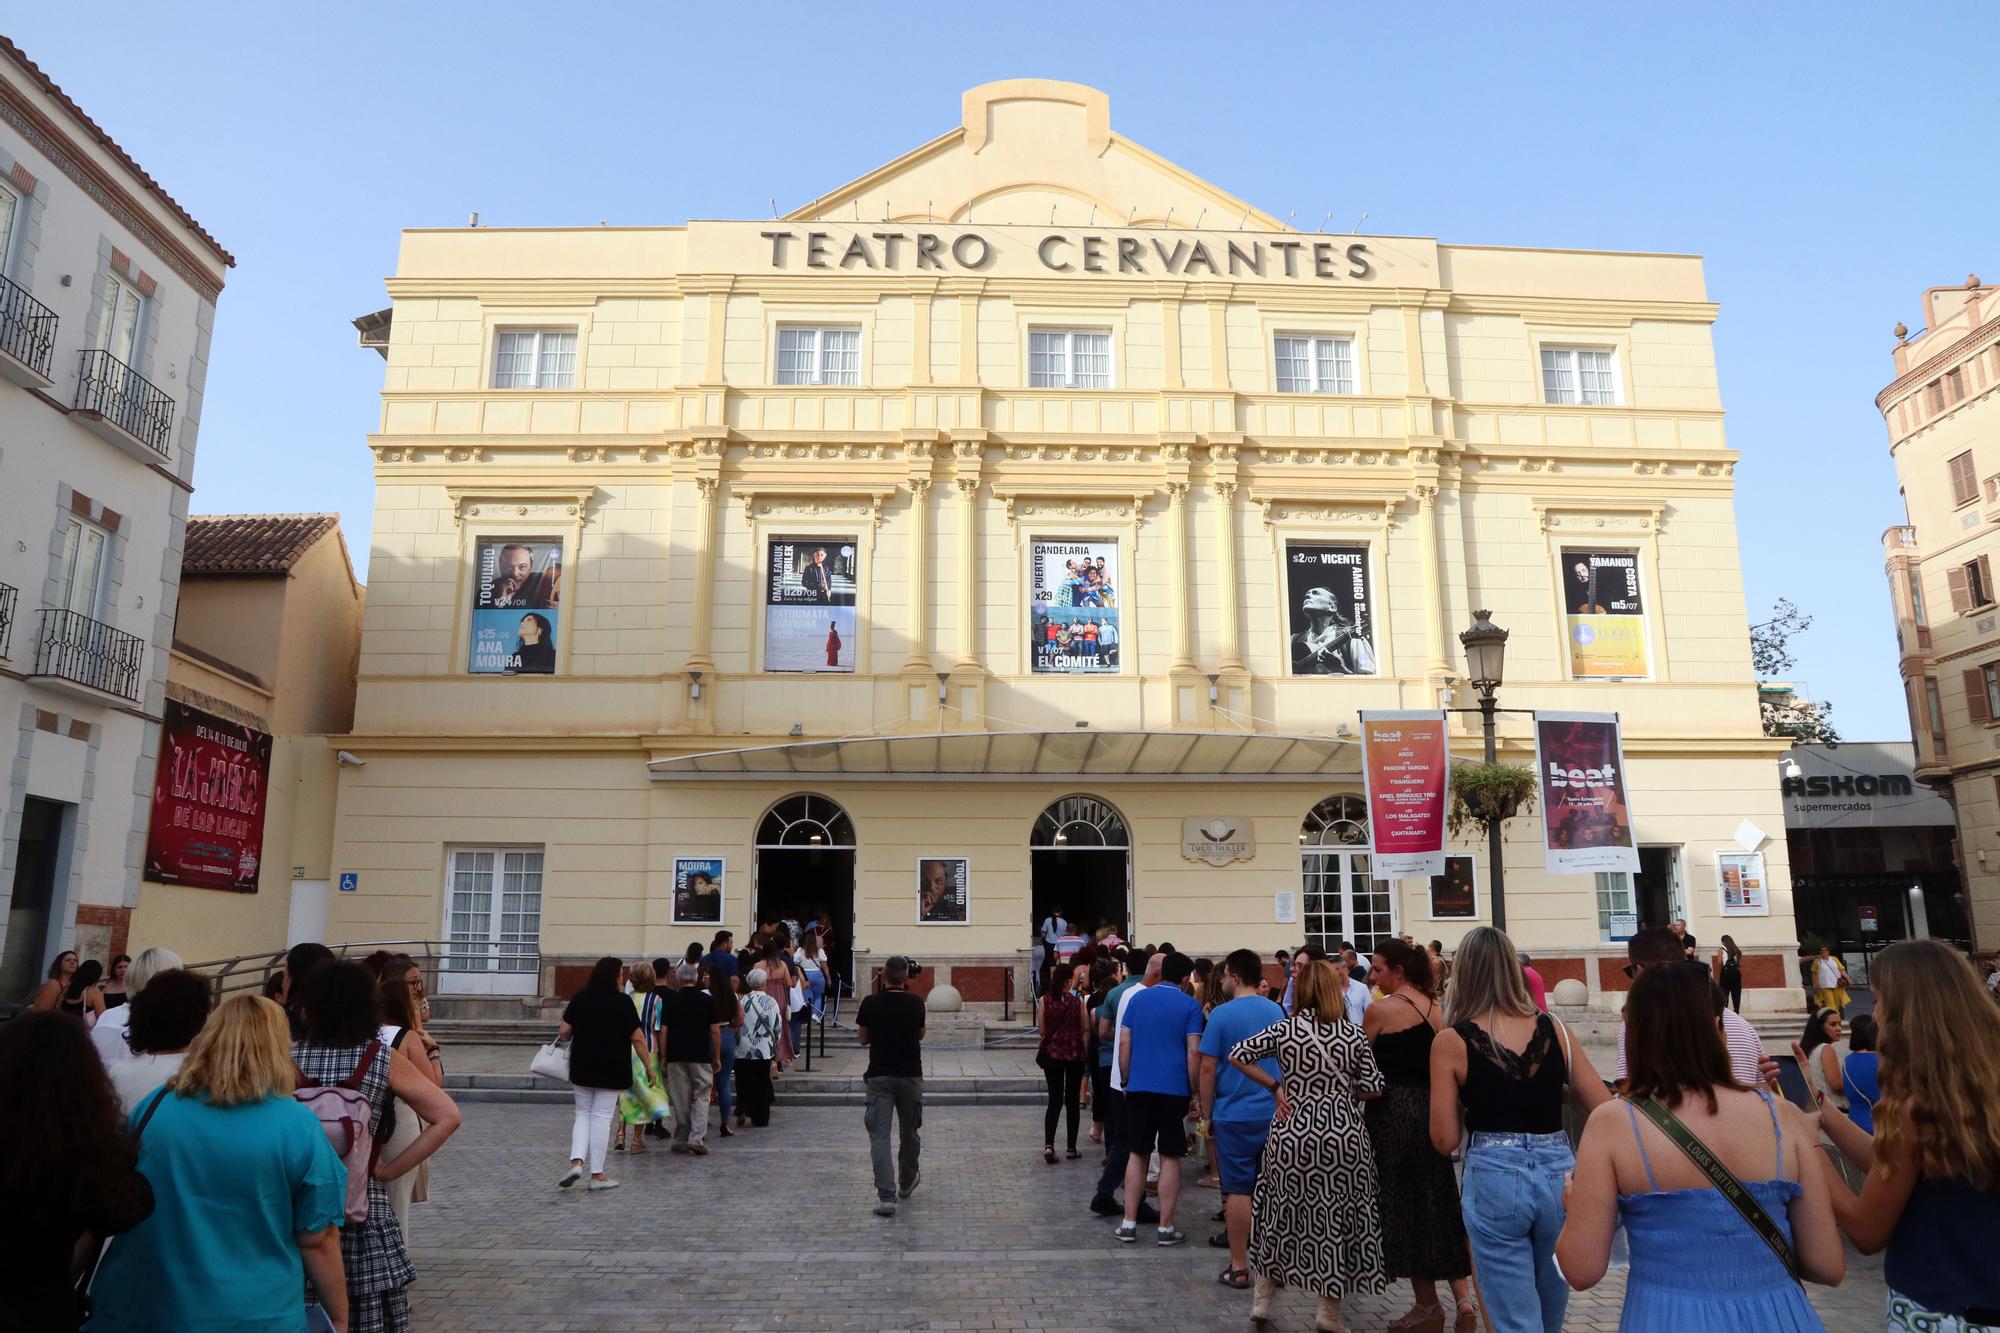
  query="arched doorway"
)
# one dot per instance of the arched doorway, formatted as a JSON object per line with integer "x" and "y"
{"x": 1341, "y": 899}
{"x": 805, "y": 866}
{"x": 1080, "y": 859}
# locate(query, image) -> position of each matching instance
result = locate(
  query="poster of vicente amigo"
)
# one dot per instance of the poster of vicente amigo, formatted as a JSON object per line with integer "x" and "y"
{"x": 1403, "y": 762}
{"x": 208, "y": 802}
{"x": 1582, "y": 768}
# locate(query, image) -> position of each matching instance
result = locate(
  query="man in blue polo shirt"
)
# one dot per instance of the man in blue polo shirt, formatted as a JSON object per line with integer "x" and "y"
{"x": 1158, "y": 1049}
{"x": 1239, "y": 1110}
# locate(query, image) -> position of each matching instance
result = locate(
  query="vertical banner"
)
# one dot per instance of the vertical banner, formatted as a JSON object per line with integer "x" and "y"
{"x": 207, "y": 828}
{"x": 698, "y": 890}
{"x": 1073, "y": 627}
{"x": 809, "y": 617}
{"x": 1582, "y": 766}
{"x": 516, "y": 601}
{"x": 1606, "y": 619}
{"x": 944, "y": 891}
{"x": 1331, "y": 608}
{"x": 1406, "y": 771}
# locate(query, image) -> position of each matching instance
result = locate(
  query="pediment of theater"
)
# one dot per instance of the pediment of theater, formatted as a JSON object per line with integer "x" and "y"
{"x": 1036, "y": 152}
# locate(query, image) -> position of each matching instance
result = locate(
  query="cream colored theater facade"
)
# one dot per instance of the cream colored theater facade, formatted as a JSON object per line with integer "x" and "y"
{"x": 1025, "y": 382}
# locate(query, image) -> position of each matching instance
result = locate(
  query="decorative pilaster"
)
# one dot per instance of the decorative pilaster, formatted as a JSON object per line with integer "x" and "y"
{"x": 917, "y": 615}
{"x": 967, "y": 457}
{"x": 702, "y": 628}
{"x": 1437, "y": 637}
{"x": 1226, "y": 571}
{"x": 1177, "y": 570}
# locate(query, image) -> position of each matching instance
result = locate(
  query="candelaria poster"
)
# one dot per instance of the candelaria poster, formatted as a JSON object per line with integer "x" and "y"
{"x": 1073, "y": 625}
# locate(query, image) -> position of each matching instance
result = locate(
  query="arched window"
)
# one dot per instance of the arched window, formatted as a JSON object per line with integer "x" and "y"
{"x": 1340, "y": 897}
{"x": 1338, "y": 821}
{"x": 1077, "y": 823}
{"x": 808, "y": 821}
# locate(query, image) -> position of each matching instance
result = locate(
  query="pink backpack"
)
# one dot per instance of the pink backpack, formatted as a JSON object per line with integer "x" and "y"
{"x": 343, "y": 1113}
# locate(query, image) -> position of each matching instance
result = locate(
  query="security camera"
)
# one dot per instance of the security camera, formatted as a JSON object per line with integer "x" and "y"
{"x": 348, "y": 759}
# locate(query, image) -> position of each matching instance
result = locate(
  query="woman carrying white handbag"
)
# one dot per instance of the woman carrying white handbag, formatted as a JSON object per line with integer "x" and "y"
{"x": 602, "y": 1029}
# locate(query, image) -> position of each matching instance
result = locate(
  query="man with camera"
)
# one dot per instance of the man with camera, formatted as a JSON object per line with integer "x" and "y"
{"x": 890, "y": 1023}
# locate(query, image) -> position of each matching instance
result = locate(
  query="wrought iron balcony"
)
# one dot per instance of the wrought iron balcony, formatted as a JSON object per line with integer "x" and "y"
{"x": 27, "y": 335}
{"x": 87, "y": 652}
{"x": 8, "y": 597}
{"x": 121, "y": 397}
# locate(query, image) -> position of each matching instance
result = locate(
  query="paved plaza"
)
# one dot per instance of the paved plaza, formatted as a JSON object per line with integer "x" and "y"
{"x": 773, "y": 1230}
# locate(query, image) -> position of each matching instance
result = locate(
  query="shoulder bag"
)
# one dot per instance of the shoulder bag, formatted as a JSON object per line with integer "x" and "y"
{"x": 88, "y": 1276}
{"x": 552, "y": 1061}
{"x": 1726, "y": 1184}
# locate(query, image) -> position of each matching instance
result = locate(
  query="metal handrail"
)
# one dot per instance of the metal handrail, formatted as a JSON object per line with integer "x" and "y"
{"x": 249, "y": 971}
{"x": 75, "y": 647}
{"x": 124, "y": 397}
{"x": 27, "y": 328}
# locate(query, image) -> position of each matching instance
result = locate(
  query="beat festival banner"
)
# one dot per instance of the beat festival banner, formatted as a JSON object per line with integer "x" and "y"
{"x": 1581, "y": 764}
{"x": 1407, "y": 771}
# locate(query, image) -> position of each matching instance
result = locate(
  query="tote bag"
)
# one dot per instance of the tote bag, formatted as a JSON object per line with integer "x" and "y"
{"x": 552, "y": 1061}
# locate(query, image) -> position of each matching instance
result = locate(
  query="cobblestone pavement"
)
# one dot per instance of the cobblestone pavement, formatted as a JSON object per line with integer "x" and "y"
{"x": 773, "y": 1231}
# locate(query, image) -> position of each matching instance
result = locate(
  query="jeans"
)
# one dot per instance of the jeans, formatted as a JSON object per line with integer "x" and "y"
{"x": 1065, "y": 1081}
{"x": 1116, "y": 1153}
{"x": 725, "y": 1082}
{"x": 590, "y": 1131}
{"x": 904, "y": 1099}
{"x": 688, "y": 1082}
{"x": 816, "y": 987}
{"x": 1511, "y": 1198}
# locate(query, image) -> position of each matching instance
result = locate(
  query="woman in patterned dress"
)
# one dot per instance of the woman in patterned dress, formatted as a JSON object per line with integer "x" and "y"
{"x": 776, "y": 965}
{"x": 1317, "y": 1200}
{"x": 338, "y": 1035}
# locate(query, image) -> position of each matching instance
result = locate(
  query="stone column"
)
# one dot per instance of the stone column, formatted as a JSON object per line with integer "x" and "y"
{"x": 1437, "y": 638}
{"x": 1177, "y": 569}
{"x": 918, "y": 658}
{"x": 967, "y": 482}
{"x": 702, "y": 616}
{"x": 1226, "y": 571}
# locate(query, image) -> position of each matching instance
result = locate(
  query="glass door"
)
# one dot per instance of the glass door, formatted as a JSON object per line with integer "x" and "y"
{"x": 1344, "y": 901}
{"x": 493, "y": 922}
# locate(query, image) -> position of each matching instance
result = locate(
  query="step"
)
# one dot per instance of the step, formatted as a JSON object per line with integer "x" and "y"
{"x": 790, "y": 1083}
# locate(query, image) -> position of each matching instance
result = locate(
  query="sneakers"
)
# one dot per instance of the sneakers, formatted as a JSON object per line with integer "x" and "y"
{"x": 911, "y": 1188}
{"x": 698, "y": 1149}
{"x": 612, "y": 1185}
{"x": 570, "y": 1177}
{"x": 1127, "y": 1232}
{"x": 886, "y": 1208}
{"x": 1172, "y": 1236}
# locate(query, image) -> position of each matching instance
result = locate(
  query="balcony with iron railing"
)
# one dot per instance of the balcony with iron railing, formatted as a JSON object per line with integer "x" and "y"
{"x": 8, "y": 598}
{"x": 118, "y": 403}
{"x": 85, "y": 658}
{"x": 27, "y": 337}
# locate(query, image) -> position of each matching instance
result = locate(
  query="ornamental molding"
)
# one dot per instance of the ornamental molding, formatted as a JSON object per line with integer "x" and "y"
{"x": 1318, "y": 456}
{"x": 1584, "y": 516}
{"x": 779, "y": 502}
{"x": 1371, "y": 510}
{"x": 1069, "y": 503}
{"x": 539, "y": 504}
{"x": 1077, "y": 453}
{"x": 832, "y": 451}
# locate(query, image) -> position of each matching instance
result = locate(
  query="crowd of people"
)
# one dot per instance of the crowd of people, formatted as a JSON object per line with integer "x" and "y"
{"x": 1411, "y": 1117}
{"x": 172, "y": 1163}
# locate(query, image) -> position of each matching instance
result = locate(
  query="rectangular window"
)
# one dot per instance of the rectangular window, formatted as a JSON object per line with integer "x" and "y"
{"x": 1964, "y": 484}
{"x": 1315, "y": 365}
{"x": 534, "y": 359}
{"x": 1971, "y": 584}
{"x": 1069, "y": 359}
{"x": 1934, "y": 397}
{"x": 1954, "y": 385}
{"x": 819, "y": 356}
{"x": 1934, "y": 702}
{"x": 1989, "y": 679}
{"x": 1578, "y": 375}
{"x": 80, "y": 580}
{"x": 120, "y": 312}
{"x": 10, "y": 207}
{"x": 1614, "y": 900}
{"x": 494, "y": 916}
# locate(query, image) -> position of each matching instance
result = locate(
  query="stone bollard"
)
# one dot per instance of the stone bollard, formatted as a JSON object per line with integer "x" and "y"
{"x": 1571, "y": 993}
{"x": 944, "y": 999}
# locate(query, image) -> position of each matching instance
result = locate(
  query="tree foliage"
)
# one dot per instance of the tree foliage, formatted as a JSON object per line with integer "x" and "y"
{"x": 1804, "y": 721}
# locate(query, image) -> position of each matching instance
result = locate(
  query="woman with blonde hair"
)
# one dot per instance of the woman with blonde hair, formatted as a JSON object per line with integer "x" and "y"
{"x": 248, "y": 1194}
{"x": 1501, "y": 1071}
{"x": 1932, "y": 1194}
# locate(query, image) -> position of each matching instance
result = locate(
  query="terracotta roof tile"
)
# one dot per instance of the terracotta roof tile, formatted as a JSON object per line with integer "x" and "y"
{"x": 252, "y": 543}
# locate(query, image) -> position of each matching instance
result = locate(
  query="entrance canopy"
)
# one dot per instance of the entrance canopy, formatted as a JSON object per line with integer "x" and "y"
{"x": 1029, "y": 756}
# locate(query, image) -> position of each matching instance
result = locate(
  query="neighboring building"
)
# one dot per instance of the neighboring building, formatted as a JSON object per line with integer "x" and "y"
{"x": 1944, "y": 433}
{"x": 1026, "y": 523}
{"x": 262, "y": 673}
{"x": 1863, "y": 835}
{"x": 107, "y": 302}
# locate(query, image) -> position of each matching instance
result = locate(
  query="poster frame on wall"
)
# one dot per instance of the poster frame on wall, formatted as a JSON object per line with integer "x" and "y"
{"x": 1754, "y": 883}
{"x": 496, "y": 607}
{"x": 685, "y": 869}
{"x": 1581, "y": 626}
{"x": 1453, "y": 861}
{"x": 804, "y": 651}
{"x": 1362, "y": 587}
{"x": 1040, "y": 602}
{"x": 962, "y": 880}
{"x": 1621, "y": 852}
{"x": 1406, "y": 778}
{"x": 198, "y": 806}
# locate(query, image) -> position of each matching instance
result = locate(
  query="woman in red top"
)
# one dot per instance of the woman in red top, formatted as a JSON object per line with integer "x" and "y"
{"x": 1061, "y": 1056}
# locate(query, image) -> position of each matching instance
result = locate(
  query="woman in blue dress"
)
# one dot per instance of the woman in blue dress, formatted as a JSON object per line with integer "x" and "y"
{"x": 1696, "y": 1261}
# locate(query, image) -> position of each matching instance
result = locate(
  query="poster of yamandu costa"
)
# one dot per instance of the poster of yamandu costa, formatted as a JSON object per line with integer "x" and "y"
{"x": 1073, "y": 626}
{"x": 809, "y": 614}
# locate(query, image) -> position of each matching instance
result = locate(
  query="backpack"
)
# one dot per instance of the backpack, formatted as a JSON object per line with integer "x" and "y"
{"x": 343, "y": 1112}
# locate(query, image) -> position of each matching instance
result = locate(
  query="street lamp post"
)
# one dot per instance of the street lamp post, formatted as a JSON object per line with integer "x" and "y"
{"x": 1485, "y": 656}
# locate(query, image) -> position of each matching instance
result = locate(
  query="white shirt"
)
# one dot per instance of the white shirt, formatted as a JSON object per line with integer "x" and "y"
{"x": 135, "y": 1077}
{"x": 1746, "y": 1050}
{"x": 1054, "y": 927}
{"x": 1117, "y": 1026}
{"x": 1355, "y": 996}
{"x": 109, "y": 1035}
{"x": 1828, "y": 972}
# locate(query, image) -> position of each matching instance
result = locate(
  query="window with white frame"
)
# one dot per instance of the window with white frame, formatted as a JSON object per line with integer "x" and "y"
{"x": 534, "y": 359}
{"x": 120, "y": 313}
{"x": 1578, "y": 375}
{"x": 1614, "y": 899}
{"x": 1315, "y": 365}
{"x": 1069, "y": 359}
{"x": 494, "y": 913}
{"x": 80, "y": 573}
{"x": 819, "y": 356}
{"x": 10, "y": 210}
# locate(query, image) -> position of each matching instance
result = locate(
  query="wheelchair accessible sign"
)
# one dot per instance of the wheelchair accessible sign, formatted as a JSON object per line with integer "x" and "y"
{"x": 350, "y": 881}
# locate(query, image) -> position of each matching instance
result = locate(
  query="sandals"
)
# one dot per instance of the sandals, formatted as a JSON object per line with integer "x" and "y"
{"x": 1219, "y": 1241}
{"x": 1072, "y": 1154}
{"x": 1468, "y": 1317}
{"x": 1049, "y": 1155}
{"x": 1236, "y": 1278}
{"x": 1421, "y": 1316}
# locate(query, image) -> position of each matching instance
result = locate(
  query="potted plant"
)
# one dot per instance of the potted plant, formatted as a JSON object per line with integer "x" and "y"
{"x": 1485, "y": 794}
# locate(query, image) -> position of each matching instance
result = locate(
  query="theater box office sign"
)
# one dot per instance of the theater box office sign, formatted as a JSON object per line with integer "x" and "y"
{"x": 207, "y": 829}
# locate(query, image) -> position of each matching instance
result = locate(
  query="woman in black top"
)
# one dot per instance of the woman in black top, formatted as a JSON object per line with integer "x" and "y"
{"x": 114, "y": 981}
{"x": 603, "y": 1028}
{"x": 83, "y": 999}
{"x": 1729, "y": 972}
{"x": 1511, "y": 1067}
{"x": 68, "y": 1169}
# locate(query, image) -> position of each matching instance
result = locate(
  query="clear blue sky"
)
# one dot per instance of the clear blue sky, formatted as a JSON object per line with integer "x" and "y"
{"x": 1796, "y": 148}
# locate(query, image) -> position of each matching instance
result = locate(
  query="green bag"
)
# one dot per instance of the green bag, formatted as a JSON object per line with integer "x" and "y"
{"x": 645, "y": 1101}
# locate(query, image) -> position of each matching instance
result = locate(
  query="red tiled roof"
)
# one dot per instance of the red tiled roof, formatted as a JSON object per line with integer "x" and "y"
{"x": 49, "y": 86}
{"x": 252, "y": 543}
